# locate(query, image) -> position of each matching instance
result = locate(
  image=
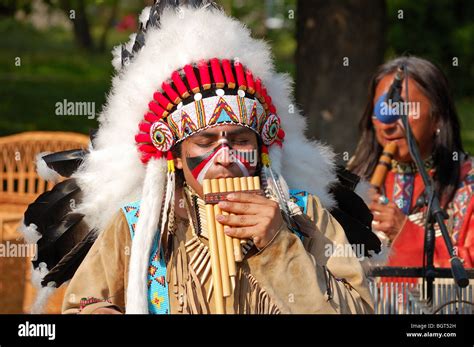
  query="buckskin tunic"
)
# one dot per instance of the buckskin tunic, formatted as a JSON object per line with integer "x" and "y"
{"x": 289, "y": 275}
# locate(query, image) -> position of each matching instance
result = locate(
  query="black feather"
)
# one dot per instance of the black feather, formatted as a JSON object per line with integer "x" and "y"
{"x": 64, "y": 270}
{"x": 154, "y": 17}
{"x": 352, "y": 213}
{"x": 59, "y": 239}
{"x": 59, "y": 229}
{"x": 53, "y": 205}
{"x": 65, "y": 162}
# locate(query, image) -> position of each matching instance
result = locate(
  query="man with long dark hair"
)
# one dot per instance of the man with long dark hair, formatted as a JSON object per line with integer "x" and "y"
{"x": 398, "y": 211}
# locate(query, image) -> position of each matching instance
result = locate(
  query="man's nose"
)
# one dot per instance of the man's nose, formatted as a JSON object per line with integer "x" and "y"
{"x": 223, "y": 157}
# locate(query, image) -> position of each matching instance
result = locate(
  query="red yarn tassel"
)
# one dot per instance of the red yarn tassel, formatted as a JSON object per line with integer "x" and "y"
{"x": 163, "y": 101}
{"x": 179, "y": 84}
{"x": 239, "y": 71}
{"x": 204, "y": 74}
{"x": 217, "y": 73}
{"x": 170, "y": 92}
{"x": 229, "y": 76}
{"x": 191, "y": 77}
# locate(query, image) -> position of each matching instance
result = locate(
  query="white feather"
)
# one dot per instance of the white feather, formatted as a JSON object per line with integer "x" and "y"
{"x": 30, "y": 232}
{"x": 143, "y": 18}
{"x": 43, "y": 293}
{"x": 44, "y": 171}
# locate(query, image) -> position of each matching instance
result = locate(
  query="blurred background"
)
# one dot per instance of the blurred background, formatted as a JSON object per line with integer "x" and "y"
{"x": 63, "y": 58}
{"x": 53, "y": 51}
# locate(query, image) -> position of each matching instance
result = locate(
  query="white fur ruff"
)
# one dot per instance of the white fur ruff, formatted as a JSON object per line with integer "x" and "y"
{"x": 150, "y": 210}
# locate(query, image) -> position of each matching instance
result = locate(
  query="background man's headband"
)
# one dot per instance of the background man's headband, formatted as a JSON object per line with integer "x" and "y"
{"x": 203, "y": 95}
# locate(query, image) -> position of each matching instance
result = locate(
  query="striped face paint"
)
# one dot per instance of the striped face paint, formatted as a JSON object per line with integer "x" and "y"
{"x": 200, "y": 165}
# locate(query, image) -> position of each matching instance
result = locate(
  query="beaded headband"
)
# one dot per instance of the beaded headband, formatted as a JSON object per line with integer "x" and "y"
{"x": 203, "y": 95}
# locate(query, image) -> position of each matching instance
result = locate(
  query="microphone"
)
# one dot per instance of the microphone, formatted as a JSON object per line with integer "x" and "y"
{"x": 386, "y": 109}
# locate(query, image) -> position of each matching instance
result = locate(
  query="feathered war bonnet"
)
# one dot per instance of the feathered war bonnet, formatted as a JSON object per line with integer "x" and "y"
{"x": 189, "y": 67}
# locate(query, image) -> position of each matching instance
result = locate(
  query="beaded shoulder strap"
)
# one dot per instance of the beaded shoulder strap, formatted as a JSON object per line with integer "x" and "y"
{"x": 158, "y": 299}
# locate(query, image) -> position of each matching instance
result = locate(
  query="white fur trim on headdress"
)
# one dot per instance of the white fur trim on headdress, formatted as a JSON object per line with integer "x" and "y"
{"x": 150, "y": 210}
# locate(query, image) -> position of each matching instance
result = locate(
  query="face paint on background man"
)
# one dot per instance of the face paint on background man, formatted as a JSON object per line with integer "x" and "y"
{"x": 201, "y": 164}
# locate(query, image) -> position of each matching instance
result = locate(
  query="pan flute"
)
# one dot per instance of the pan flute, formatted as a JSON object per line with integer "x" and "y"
{"x": 224, "y": 250}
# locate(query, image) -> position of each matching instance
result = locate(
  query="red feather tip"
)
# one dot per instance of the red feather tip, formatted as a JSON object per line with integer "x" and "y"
{"x": 171, "y": 93}
{"x": 239, "y": 71}
{"x": 179, "y": 84}
{"x": 229, "y": 76}
{"x": 143, "y": 138}
{"x": 159, "y": 111}
{"x": 191, "y": 77}
{"x": 146, "y": 148}
{"x": 163, "y": 101}
{"x": 281, "y": 134}
{"x": 151, "y": 117}
{"x": 250, "y": 82}
{"x": 204, "y": 74}
{"x": 145, "y": 127}
{"x": 217, "y": 73}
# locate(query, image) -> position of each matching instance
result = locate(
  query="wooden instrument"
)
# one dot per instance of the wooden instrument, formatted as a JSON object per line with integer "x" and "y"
{"x": 225, "y": 251}
{"x": 384, "y": 164}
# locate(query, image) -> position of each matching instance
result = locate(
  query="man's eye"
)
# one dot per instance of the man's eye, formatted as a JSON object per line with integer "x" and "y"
{"x": 241, "y": 141}
{"x": 204, "y": 144}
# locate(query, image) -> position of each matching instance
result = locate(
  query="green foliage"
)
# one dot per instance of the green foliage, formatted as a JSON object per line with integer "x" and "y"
{"x": 53, "y": 69}
{"x": 436, "y": 30}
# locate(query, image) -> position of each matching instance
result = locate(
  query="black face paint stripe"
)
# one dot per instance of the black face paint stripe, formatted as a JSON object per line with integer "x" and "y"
{"x": 193, "y": 162}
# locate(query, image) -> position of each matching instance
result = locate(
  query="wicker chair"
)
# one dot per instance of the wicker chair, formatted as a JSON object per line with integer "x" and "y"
{"x": 19, "y": 186}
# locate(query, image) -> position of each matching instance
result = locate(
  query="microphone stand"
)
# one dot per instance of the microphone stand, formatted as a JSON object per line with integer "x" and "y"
{"x": 435, "y": 214}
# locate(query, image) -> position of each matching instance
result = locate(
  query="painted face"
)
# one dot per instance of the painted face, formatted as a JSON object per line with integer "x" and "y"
{"x": 422, "y": 123}
{"x": 218, "y": 152}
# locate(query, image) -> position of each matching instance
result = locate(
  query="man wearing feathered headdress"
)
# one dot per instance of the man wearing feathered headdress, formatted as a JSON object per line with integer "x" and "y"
{"x": 197, "y": 98}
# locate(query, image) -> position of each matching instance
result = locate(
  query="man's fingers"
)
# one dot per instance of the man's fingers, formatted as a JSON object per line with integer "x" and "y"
{"x": 240, "y": 232}
{"x": 381, "y": 218}
{"x": 237, "y": 220}
{"x": 240, "y": 207}
{"x": 247, "y": 197}
{"x": 375, "y": 206}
